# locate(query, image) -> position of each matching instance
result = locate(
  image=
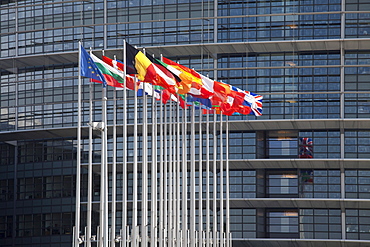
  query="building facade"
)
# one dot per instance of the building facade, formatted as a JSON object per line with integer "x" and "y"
{"x": 299, "y": 174}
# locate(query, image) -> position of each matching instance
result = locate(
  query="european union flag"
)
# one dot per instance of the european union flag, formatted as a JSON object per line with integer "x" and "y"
{"x": 89, "y": 68}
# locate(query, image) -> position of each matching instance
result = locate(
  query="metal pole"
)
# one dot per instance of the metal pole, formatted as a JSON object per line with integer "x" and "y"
{"x": 208, "y": 203}
{"x": 114, "y": 169}
{"x": 135, "y": 177}
{"x": 161, "y": 179}
{"x": 227, "y": 185}
{"x": 221, "y": 184}
{"x": 144, "y": 172}
{"x": 178, "y": 180}
{"x": 214, "y": 179}
{"x": 170, "y": 179}
{"x": 192, "y": 178}
{"x": 90, "y": 171}
{"x": 104, "y": 164}
{"x": 200, "y": 199}
{"x": 165, "y": 175}
{"x": 78, "y": 170}
{"x": 124, "y": 148}
{"x": 154, "y": 226}
{"x": 184, "y": 181}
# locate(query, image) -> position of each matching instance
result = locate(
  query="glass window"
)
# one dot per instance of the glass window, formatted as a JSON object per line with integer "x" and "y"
{"x": 358, "y": 224}
{"x": 282, "y": 144}
{"x": 242, "y": 184}
{"x": 357, "y": 144}
{"x": 282, "y": 224}
{"x": 320, "y": 223}
{"x": 282, "y": 184}
{"x": 357, "y": 184}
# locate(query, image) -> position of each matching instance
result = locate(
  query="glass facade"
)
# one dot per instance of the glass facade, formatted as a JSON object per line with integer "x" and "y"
{"x": 300, "y": 171}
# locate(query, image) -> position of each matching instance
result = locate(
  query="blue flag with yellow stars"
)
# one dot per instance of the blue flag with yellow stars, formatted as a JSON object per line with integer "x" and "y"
{"x": 89, "y": 69}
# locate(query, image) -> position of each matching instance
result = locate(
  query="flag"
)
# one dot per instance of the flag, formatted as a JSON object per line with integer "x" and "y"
{"x": 221, "y": 91}
{"x": 113, "y": 62}
{"x": 234, "y": 103}
{"x": 148, "y": 89}
{"x": 147, "y": 71}
{"x": 89, "y": 69}
{"x": 188, "y": 77}
{"x": 113, "y": 77}
{"x": 307, "y": 176}
{"x": 118, "y": 66}
{"x": 237, "y": 102}
{"x": 305, "y": 148}
{"x": 255, "y": 102}
{"x": 205, "y": 90}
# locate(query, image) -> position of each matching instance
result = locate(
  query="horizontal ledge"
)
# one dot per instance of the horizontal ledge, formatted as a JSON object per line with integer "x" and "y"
{"x": 260, "y": 47}
{"x": 340, "y": 164}
{"x": 237, "y": 125}
{"x": 289, "y": 203}
{"x": 280, "y": 242}
{"x": 48, "y": 59}
{"x": 299, "y": 203}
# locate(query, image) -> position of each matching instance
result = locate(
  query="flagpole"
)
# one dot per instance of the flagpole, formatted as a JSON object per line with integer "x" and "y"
{"x": 174, "y": 178}
{"x": 200, "y": 198}
{"x": 154, "y": 227}
{"x": 124, "y": 149}
{"x": 227, "y": 186}
{"x": 165, "y": 175}
{"x": 184, "y": 181}
{"x": 78, "y": 170}
{"x": 192, "y": 178}
{"x": 135, "y": 177}
{"x": 208, "y": 203}
{"x": 170, "y": 179}
{"x": 114, "y": 169}
{"x": 214, "y": 179}
{"x": 144, "y": 172}
{"x": 105, "y": 167}
{"x": 178, "y": 180}
{"x": 221, "y": 184}
{"x": 90, "y": 170}
{"x": 161, "y": 180}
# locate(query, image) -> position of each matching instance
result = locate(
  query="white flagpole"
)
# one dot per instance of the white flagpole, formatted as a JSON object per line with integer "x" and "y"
{"x": 165, "y": 175}
{"x": 208, "y": 203}
{"x": 174, "y": 178}
{"x": 105, "y": 168}
{"x": 154, "y": 226}
{"x": 192, "y": 178}
{"x": 170, "y": 178}
{"x": 221, "y": 184}
{"x": 90, "y": 170}
{"x": 144, "y": 172}
{"x": 178, "y": 180}
{"x": 124, "y": 148}
{"x": 161, "y": 179}
{"x": 184, "y": 181}
{"x": 114, "y": 169}
{"x": 214, "y": 179}
{"x": 200, "y": 198}
{"x": 78, "y": 170}
{"x": 227, "y": 186}
{"x": 134, "y": 233}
